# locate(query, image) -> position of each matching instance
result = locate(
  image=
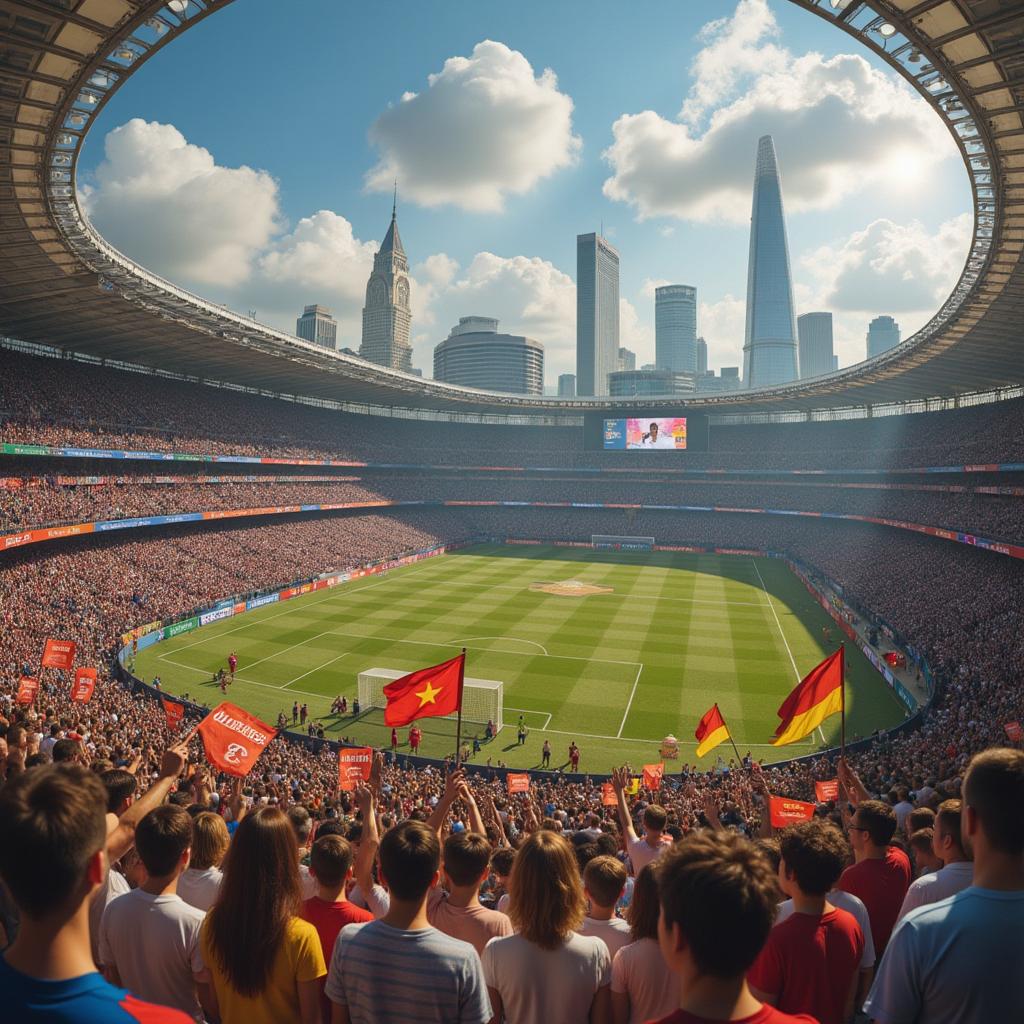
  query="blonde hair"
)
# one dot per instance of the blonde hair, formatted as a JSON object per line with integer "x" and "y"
{"x": 209, "y": 841}
{"x": 546, "y": 901}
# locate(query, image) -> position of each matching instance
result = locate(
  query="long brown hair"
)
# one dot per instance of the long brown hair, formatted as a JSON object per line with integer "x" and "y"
{"x": 546, "y": 901}
{"x": 260, "y": 893}
{"x": 642, "y": 912}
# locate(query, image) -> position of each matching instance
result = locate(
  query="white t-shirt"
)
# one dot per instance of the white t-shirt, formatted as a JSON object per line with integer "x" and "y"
{"x": 640, "y": 971}
{"x": 852, "y": 905}
{"x": 199, "y": 888}
{"x": 153, "y": 941}
{"x": 114, "y": 885}
{"x": 503, "y": 902}
{"x": 308, "y": 882}
{"x": 542, "y": 986}
{"x": 614, "y": 933}
{"x": 947, "y": 881}
{"x": 641, "y": 853}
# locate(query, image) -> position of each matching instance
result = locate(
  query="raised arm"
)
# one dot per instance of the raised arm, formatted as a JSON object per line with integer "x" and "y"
{"x": 620, "y": 779}
{"x": 370, "y": 841}
{"x": 476, "y": 821}
{"x": 452, "y": 783}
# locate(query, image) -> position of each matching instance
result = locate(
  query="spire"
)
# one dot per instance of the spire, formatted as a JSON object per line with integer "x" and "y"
{"x": 394, "y": 204}
{"x": 392, "y": 240}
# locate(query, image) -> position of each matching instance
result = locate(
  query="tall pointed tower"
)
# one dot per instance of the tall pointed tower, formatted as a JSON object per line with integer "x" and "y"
{"x": 769, "y": 347}
{"x": 387, "y": 317}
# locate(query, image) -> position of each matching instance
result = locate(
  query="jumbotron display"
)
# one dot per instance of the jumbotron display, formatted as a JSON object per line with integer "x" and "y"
{"x": 647, "y": 434}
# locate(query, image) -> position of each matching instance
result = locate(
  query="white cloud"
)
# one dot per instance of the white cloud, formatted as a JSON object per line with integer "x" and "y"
{"x": 722, "y": 325}
{"x": 650, "y": 285}
{"x": 486, "y": 127}
{"x": 839, "y": 127}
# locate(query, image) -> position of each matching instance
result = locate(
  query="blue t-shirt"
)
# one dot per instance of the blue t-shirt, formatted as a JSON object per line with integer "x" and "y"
{"x": 87, "y": 999}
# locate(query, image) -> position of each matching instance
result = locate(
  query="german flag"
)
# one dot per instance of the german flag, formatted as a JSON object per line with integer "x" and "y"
{"x": 711, "y": 730}
{"x": 818, "y": 695}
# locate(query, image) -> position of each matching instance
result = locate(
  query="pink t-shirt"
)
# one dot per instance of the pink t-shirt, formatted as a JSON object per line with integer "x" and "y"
{"x": 615, "y": 933}
{"x": 641, "y": 853}
{"x": 640, "y": 971}
{"x": 475, "y": 925}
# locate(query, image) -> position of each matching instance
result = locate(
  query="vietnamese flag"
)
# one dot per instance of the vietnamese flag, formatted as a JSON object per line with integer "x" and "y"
{"x": 427, "y": 693}
{"x": 27, "y": 690}
{"x": 711, "y": 730}
{"x": 818, "y": 695}
{"x": 85, "y": 683}
{"x": 175, "y": 714}
{"x": 59, "y": 654}
{"x": 234, "y": 739}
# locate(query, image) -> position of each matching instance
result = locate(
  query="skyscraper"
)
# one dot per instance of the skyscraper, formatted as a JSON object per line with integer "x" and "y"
{"x": 815, "y": 332}
{"x": 675, "y": 328}
{"x": 597, "y": 313}
{"x": 318, "y": 326}
{"x": 475, "y": 355}
{"x": 702, "y": 357}
{"x": 627, "y": 359}
{"x": 567, "y": 385}
{"x": 769, "y": 347}
{"x": 883, "y": 334}
{"x": 387, "y": 317}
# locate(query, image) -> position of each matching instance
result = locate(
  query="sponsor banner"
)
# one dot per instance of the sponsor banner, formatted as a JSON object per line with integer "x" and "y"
{"x": 784, "y": 811}
{"x": 234, "y": 739}
{"x": 27, "y": 690}
{"x": 1014, "y": 732}
{"x": 25, "y": 449}
{"x": 741, "y": 551}
{"x": 826, "y": 791}
{"x": 287, "y": 593}
{"x": 239, "y": 608}
{"x": 354, "y": 764}
{"x": 85, "y": 683}
{"x": 518, "y": 782}
{"x": 218, "y": 613}
{"x": 139, "y": 631}
{"x": 177, "y": 628}
{"x": 59, "y": 654}
{"x": 259, "y": 602}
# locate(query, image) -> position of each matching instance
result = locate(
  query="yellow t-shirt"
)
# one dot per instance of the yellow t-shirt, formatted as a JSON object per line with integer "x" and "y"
{"x": 300, "y": 958}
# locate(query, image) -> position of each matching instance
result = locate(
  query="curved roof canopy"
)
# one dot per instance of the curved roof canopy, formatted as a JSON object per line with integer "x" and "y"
{"x": 61, "y": 284}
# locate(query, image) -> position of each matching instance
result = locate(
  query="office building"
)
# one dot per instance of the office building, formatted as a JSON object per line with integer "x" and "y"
{"x": 387, "y": 318}
{"x": 728, "y": 381}
{"x": 475, "y": 355}
{"x": 814, "y": 331}
{"x": 675, "y": 328}
{"x": 702, "y": 357}
{"x": 318, "y": 326}
{"x": 883, "y": 334}
{"x": 769, "y": 345}
{"x": 649, "y": 382}
{"x": 567, "y": 385}
{"x": 627, "y": 360}
{"x": 597, "y": 313}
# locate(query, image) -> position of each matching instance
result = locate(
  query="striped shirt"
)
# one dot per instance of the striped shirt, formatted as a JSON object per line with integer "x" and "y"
{"x": 418, "y": 977}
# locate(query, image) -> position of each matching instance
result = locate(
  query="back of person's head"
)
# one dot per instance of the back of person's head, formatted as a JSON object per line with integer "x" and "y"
{"x": 259, "y": 895}
{"x": 53, "y": 824}
{"x": 210, "y": 841}
{"x": 993, "y": 792}
{"x": 918, "y": 818}
{"x": 947, "y": 823}
{"x": 719, "y": 890}
{"x": 604, "y": 878}
{"x": 643, "y": 910}
{"x": 585, "y": 853}
{"x": 120, "y": 786}
{"x": 64, "y": 751}
{"x": 607, "y": 844}
{"x": 301, "y": 822}
{"x": 330, "y": 860}
{"x": 501, "y": 861}
{"x": 546, "y": 901}
{"x": 466, "y": 857}
{"x": 878, "y": 820}
{"x": 162, "y": 837}
{"x": 772, "y": 849}
{"x": 815, "y": 853}
{"x": 331, "y": 827}
{"x": 655, "y": 818}
{"x": 410, "y": 855}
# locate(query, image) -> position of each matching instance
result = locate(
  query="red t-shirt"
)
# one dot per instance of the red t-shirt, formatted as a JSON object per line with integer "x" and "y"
{"x": 880, "y": 885}
{"x": 329, "y": 918}
{"x": 808, "y": 964}
{"x": 766, "y": 1015}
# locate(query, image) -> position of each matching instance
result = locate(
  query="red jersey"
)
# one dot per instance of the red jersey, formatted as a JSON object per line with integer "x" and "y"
{"x": 809, "y": 964}
{"x": 766, "y": 1015}
{"x": 329, "y": 918}
{"x": 880, "y": 885}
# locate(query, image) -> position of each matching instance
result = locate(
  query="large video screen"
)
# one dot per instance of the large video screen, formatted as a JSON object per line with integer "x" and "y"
{"x": 665, "y": 433}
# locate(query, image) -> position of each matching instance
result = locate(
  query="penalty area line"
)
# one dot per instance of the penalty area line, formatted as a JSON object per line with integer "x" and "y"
{"x": 632, "y": 694}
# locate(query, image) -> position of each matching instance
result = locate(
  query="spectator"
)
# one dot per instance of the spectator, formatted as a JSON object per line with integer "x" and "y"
{"x": 149, "y": 938}
{"x": 501, "y": 867}
{"x": 400, "y": 967}
{"x": 641, "y": 851}
{"x": 922, "y": 854}
{"x": 717, "y": 896}
{"x": 643, "y": 988}
{"x": 956, "y": 872}
{"x": 52, "y": 861}
{"x": 547, "y": 971}
{"x": 958, "y": 961}
{"x": 811, "y": 960}
{"x": 265, "y": 962}
{"x": 604, "y": 879}
{"x": 302, "y": 825}
{"x": 200, "y": 882}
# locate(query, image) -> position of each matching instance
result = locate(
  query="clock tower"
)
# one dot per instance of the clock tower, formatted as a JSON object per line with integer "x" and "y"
{"x": 387, "y": 318}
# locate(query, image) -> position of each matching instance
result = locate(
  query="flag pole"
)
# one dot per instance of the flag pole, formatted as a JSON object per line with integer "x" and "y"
{"x": 458, "y": 721}
{"x": 739, "y": 760}
{"x": 842, "y": 699}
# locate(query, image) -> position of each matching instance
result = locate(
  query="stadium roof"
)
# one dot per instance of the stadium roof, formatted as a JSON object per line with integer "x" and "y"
{"x": 61, "y": 284}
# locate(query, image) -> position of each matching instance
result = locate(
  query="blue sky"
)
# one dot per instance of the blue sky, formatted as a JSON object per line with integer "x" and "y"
{"x": 309, "y": 96}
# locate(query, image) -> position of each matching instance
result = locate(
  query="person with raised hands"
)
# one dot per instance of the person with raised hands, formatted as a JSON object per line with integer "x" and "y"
{"x": 641, "y": 851}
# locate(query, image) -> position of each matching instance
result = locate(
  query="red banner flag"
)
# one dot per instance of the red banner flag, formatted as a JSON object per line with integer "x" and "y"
{"x": 234, "y": 739}
{"x": 354, "y": 764}
{"x": 827, "y": 790}
{"x": 1014, "y": 732}
{"x": 59, "y": 654}
{"x": 785, "y": 812}
{"x": 27, "y": 690}
{"x": 85, "y": 683}
{"x": 426, "y": 693}
{"x": 518, "y": 782}
{"x": 175, "y": 714}
{"x": 652, "y": 776}
{"x": 608, "y": 797}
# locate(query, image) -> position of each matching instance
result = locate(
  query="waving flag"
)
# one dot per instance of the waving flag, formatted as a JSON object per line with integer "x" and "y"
{"x": 426, "y": 693}
{"x": 174, "y": 713}
{"x": 234, "y": 739}
{"x": 85, "y": 683}
{"x": 711, "y": 730}
{"x": 59, "y": 654}
{"x": 818, "y": 695}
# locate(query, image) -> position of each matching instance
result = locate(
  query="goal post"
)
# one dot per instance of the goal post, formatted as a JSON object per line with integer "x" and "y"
{"x": 482, "y": 699}
{"x": 617, "y": 542}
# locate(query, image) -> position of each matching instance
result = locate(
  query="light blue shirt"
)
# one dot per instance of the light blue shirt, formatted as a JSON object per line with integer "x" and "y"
{"x": 958, "y": 961}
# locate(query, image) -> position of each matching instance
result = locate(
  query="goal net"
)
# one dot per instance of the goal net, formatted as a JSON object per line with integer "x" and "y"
{"x": 482, "y": 699}
{"x": 614, "y": 542}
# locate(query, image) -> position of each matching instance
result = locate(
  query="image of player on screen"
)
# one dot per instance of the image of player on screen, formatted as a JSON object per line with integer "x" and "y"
{"x": 654, "y": 437}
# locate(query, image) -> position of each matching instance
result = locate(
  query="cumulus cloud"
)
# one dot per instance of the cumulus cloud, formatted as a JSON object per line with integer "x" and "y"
{"x": 485, "y": 127}
{"x": 722, "y": 324}
{"x": 839, "y": 126}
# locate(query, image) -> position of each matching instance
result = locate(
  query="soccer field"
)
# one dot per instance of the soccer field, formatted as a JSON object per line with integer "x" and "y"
{"x": 615, "y": 671}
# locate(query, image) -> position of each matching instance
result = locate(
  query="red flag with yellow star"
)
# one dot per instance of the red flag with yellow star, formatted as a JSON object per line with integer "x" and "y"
{"x": 426, "y": 693}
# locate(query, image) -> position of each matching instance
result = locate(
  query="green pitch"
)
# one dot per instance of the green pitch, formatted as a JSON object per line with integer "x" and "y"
{"x": 614, "y": 671}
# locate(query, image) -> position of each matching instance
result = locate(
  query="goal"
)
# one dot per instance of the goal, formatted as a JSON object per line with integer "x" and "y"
{"x": 482, "y": 699}
{"x": 614, "y": 542}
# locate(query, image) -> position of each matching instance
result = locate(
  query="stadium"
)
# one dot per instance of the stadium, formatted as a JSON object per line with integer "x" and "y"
{"x": 199, "y": 510}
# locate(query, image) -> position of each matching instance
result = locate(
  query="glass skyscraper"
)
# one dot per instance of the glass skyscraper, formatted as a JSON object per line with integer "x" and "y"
{"x": 769, "y": 347}
{"x": 815, "y": 333}
{"x": 883, "y": 334}
{"x": 675, "y": 327}
{"x": 597, "y": 314}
